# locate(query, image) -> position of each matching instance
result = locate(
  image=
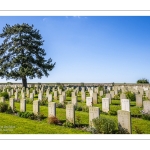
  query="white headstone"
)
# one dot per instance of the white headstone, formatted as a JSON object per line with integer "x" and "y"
{"x": 51, "y": 109}
{"x": 105, "y": 104}
{"x": 89, "y": 101}
{"x": 70, "y": 113}
{"x": 125, "y": 104}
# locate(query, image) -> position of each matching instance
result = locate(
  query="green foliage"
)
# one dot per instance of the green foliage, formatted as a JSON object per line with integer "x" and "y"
{"x": 78, "y": 121}
{"x": 21, "y": 53}
{"x": 130, "y": 95}
{"x": 31, "y": 116}
{"x": 78, "y": 108}
{"x": 60, "y": 105}
{"x": 85, "y": 109}
{"x": 43, "y": 102}
{"x": 68, "y": 93}
{"x": 146, "y": 116}
{"x": 3, "y": 107}
{"x": 9, "y": 110}
{"x": 143, "y": 80}
{"x": 68, "y": 124}
{"x": 122, "y": 130}
{"x": 104, "y": 125}
{"x": 138, "y": 130}
{"x": 53, "y": 120}
{"x": 5, "y": 95}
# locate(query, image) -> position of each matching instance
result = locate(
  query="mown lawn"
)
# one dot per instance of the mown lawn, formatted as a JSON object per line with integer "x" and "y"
{"x": 24, "y": 126}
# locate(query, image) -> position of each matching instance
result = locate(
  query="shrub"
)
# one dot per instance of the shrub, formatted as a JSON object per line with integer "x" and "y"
{"x": 53, "y": 120}
{"x": 104, "y": 126}
{"x": 68, "y": 124}
{"x": 78, "y": 121}
{"x": 146, "y": 116}
{"x": 85, "y": 109}
{"x": 143, "y": 80}
{"x": 122, "y": 130}
{"x": 43, "y": 102}
{"x": 9, "y": 110}
{"x": 68, "y": 93}
{"x": 60, "y": 105}
{"x": 3, "y": 107}
{"x": 130, "y": 95}
{"x": 24, "y": 114}
{"x": 78, "y": 108}
{"x": 5, "y": 95}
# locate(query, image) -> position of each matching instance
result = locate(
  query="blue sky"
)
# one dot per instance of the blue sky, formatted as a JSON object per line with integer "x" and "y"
{"x": 92, "y": 49}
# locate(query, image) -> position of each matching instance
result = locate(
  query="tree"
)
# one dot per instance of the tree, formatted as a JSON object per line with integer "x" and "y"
{"x": 143, "y": 81}
{"x": 21, "y": 54}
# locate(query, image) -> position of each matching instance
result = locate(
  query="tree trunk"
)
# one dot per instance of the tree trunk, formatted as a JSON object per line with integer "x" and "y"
{"x": 24, "y": 82}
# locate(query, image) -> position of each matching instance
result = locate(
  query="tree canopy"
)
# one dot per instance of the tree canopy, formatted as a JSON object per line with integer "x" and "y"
{"x": 21, "y": 54}
{"x": 143, "y": 81}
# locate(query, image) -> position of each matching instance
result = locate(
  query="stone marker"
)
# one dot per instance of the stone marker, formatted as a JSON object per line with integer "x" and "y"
{"x": 32, "y": 96}
{"x": 125, "y": 104}
{"x": 146, "y": 106}
{"x": 12, "y": 103}
{"x": 105, "y": 104}
{"x": 2, "y": 99}
{"x": 51, "y": 109}
{"x": 40, "y": 96}
{"x": 139, "y": 102}
{"x": 55, "y": 95}
{"x": 74, "y": 100}
{"x": 108, "y": 95}
{"x": 70, "y": 113}
{"x": 36, "y": 107}
{"x": 23, "y": 105}
{"x": 50, "y": 98}
{"x": 124, "y": 120}
{"x": 89, "y": 101}
{"x": 61, "y": 99}
{"x": 122, "y": 96}
{"x": 101, "y": 93}
{"x": 94, "y": 98}
{"x": 83, "y": 96}
{"x": 94, "y": 112}
{"x": 112, "y": 93}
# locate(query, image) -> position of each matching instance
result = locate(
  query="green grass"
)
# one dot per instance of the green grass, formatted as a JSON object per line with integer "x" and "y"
{"x": 31, "y": 126}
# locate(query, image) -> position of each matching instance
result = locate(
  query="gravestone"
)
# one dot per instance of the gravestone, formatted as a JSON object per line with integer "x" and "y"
{"x": 61, "y": 99}
{"x": 16, "y": 96}
{"x": 2, "y": 99}
{"x": 40, "y": 96}
{"x": 74, "y": 100}
{"x": 112, "y": 93}
{"x": 12, "y": 103}
{"x": 101, "y": 93}
{"x": 23, "y": 105}
{"x": 89, "y": 101}
{"x": 94, "y": 98}
{"x": 55, "y": 95}
{"x": 70, "y": 113}
{"x": 125, "y": 104}
{"x": 83, "y": 96}
{"x": 122, "y": 96}
{"x": 32, "y": 96}
{"x": 64, "y": 94}
{"x": 51, "y": 109}
{"x": 108, "y": 95}
{"x": 50, "y": 98}
{"x": 105, "y": 104}
{"x": 91, "y": 93}
{"x": 73, "y": 94}
{"x": 124, "y": 120}
{"x": 146, "y": 106}
{"x": 36, "y": 107}
{"x": 94, "y": 112}
{"x": 139, "y": 102}
{"x": 23, "y": 95}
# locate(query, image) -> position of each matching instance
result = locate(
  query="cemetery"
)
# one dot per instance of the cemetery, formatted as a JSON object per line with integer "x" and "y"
{"x": 47, "y": 108}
